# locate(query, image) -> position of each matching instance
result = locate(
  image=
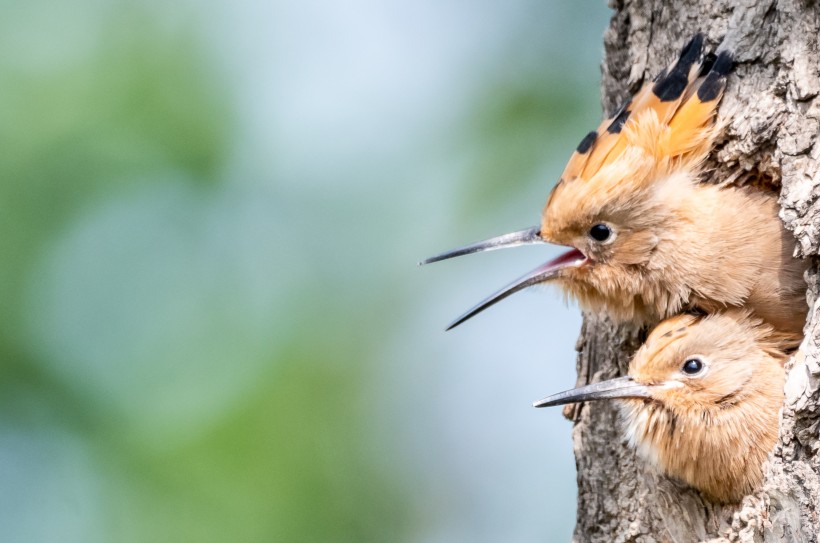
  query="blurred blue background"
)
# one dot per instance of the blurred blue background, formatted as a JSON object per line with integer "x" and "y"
{"x": 213, "y": 324}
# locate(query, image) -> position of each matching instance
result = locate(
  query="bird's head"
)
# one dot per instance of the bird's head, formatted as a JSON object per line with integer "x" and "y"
{"x": 616, "y": 219}
{"x": 611, "y": 224}
{"x": 692, "y": 363}
{"x": 701, "y": 400}
{"x": 620, "y": 192}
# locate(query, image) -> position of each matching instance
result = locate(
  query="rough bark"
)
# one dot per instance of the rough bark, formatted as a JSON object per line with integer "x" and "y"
{"x": 773, "y": 113}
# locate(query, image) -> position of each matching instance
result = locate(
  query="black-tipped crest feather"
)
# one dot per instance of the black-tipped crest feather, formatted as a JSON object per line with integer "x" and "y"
{"x": 671, "y": 86}
{"x": 715, "y": 80}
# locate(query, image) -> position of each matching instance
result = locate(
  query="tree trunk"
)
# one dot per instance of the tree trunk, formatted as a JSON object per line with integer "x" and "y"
{"x": 773, "y": 113}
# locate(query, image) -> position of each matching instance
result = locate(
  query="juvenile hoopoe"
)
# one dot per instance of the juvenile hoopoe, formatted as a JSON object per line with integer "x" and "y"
{"x": 701, "y": 400}
{"x": 648, "y": 237}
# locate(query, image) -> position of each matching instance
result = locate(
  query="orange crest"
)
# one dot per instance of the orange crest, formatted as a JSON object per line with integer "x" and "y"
{"x": 666, "y": 126}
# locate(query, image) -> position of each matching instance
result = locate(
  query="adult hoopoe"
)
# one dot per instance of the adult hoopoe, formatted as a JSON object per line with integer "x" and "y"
{"x": 648, "y": 237}
{"x": 701, "y": 400}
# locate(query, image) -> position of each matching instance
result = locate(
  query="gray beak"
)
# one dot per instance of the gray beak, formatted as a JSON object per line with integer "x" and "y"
{"x": 545, "y": 272}
{"x": 621, "y": 387}
{"x": 522, "y": 237}
{"x": 542, "y": 273}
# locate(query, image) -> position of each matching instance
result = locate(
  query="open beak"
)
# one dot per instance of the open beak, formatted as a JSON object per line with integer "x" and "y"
{"x": 621, "y": 387}
{"x": 544, "y": 272}
{"x": 522, "y": 237}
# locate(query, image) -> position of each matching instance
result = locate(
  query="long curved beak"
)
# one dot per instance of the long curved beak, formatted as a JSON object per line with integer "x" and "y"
{"x": 514, "y": 239}
{"x": 544, "y": 272}
{"x": 621, "y": 387}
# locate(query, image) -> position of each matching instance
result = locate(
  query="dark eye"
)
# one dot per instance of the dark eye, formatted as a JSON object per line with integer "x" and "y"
{"x": 600, "y": 232}
{"x": 692, "y": 366}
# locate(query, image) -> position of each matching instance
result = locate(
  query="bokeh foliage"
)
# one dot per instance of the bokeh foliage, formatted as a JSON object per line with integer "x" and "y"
{"x": 123, "y": 244}
{"x": 192, "y": 348}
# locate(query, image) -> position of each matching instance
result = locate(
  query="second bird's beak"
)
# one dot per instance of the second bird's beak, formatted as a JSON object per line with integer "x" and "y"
{"x": 621, "y": 387}
{"x": 530, "y": 236}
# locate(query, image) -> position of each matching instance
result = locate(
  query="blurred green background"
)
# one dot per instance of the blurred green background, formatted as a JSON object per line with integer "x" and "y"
{"x": 213, "y": 325}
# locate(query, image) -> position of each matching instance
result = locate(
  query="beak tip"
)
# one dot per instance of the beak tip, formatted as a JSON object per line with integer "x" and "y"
{"x": 460, "y": 320}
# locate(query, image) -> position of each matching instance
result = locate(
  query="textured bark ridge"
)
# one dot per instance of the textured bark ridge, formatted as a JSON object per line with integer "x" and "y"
{"x": 772, "y": 110}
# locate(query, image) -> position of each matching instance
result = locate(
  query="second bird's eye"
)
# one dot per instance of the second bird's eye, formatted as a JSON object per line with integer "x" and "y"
{"x": 600, "y": 232}
{"x": 692, "y": 366}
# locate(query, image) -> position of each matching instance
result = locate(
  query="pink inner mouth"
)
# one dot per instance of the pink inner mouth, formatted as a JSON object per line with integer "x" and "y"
{"x": 573, "y": 257}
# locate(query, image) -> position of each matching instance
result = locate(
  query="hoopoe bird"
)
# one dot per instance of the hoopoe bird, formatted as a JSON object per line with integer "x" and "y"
{"x": 648, "y": 237}
{"x": 701, "y": 400}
